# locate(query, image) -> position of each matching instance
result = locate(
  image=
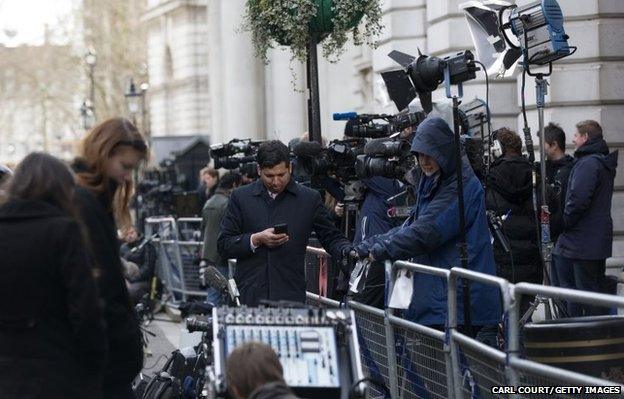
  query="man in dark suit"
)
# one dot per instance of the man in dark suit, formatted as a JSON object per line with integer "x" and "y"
{"x": 270, "y": 265}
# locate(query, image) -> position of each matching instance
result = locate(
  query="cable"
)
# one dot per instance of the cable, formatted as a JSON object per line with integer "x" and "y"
{"x": 524, "y": 116}
{"x": 374, "y": 381}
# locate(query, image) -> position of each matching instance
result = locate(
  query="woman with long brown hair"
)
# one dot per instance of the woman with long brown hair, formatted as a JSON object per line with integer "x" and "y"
{"x": 52, "y": 342}
{"x": 110, "y": 153}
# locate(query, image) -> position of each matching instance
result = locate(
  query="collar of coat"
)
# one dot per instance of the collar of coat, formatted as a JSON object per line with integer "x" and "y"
{"x": 292, "y": 187}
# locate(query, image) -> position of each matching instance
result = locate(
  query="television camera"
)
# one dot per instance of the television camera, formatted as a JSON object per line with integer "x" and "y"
{"x": 157, "y": 188}
{"x": 236, "y": 154}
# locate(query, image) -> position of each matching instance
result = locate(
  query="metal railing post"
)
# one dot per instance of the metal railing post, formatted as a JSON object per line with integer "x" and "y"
{"x": 450, "y": 340}
{"x": 391, "y": 348}
{"x": 513, "y": 346}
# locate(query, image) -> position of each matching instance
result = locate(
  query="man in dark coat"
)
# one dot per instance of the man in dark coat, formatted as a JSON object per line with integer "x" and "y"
{"x": 510, "y": 196}
{"x": 587, "y": 239}
{"x": 271, "y": 265}
{"x": 558, "y": 167}
{"x": 431, "y": 234}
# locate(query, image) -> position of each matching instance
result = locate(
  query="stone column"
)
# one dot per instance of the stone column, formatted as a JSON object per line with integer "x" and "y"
{"x": 238, "y": 96}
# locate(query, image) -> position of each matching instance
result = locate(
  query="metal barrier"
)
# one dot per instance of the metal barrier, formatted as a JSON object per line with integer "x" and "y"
{"x": 415, "y": 361}
{"x": 533, "y": 373}
{"x": 178, "y": 251}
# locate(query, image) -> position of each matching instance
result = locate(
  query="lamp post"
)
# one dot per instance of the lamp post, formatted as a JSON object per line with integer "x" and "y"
{"x": 133, "y": 100}
{"x": 87, "y": 114}
{"x": 144, "y": 119}
{"x": 90, "y": 59}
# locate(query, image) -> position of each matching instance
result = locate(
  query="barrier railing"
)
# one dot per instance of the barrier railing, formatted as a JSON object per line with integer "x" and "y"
{"x": 415, "y": 361}
{"x": 178, "y": 251}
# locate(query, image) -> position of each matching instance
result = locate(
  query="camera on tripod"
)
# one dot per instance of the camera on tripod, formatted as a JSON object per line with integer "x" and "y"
{"x": 337, "y": 159}
{"x": 237, "y": 154}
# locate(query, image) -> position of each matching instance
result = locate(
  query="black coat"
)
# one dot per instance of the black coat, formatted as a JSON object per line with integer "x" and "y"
{"x": 52, "y": 342}
{"x": 510, "y": 192}
{"x": 277, "y": 273}
{"x": 588, "y": 227}
{"x": 123, "y": 334}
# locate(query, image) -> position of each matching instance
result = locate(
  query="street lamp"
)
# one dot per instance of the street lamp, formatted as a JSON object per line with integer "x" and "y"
{"x": 144, "y": 122}
{"x": 87, "y": 114}
{"x": 133, "y": 100}
{"x": 90, "y": 59}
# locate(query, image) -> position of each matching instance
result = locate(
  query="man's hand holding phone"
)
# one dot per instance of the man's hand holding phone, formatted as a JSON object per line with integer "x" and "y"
{"x": 271, "y": 237}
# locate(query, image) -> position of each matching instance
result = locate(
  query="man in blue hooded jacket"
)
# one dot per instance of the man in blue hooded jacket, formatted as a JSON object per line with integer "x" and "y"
{"x": 431, "y": 234}
{"x": 587, "y": 238}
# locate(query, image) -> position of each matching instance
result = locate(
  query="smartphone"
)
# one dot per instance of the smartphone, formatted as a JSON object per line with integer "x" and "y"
{"x": 281, "y": 228}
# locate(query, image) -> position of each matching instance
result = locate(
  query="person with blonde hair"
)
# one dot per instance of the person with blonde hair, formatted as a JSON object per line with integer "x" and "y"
{"x": 110, "y": 153}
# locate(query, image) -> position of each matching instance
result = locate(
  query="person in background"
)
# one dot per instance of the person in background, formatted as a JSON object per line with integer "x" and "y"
{"x": 110, "y": 153}
{"x": 587, "y": 238}
{"x": 212, "y": 214}
{"x": 510, "y": 197}
{"x": 143, "y": 254}
{"x": 558, "y": 163}
{"x": 430, "y": 235}
{"x": 208, "y": 181}
{"x": 558, "y": 167}
{"x": 52, "y": 341}
{"x": 254, "y": 371}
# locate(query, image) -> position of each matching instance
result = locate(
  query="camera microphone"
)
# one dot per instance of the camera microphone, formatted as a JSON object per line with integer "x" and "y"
{"x": 218, "y": 281}
{"x": 344, "y": 116}
{"x": 215, "y": 279}
{"x": 307, "y": 149}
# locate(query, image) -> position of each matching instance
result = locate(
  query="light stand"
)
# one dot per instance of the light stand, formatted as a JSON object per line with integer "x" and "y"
{"x": 463, "y": 244}
{"x": 314, "y": 113}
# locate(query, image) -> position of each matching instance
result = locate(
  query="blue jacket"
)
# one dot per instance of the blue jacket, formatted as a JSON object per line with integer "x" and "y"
{"x": 374, "y": 217}
{"x": 588, "y": 227}
{"x": 430, "y": 235}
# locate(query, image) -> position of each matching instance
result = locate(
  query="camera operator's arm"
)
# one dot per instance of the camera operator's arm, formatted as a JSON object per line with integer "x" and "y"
{"x": 232, "y": 241}
{"x": 433, "y": 228}
{"x": 328, "y": 234}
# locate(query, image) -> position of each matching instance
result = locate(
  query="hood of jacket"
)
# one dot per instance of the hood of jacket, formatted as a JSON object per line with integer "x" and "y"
{"x": 599, "y": 147}
{"x": 435, "y": 138}
{"x": 511, "y": 176}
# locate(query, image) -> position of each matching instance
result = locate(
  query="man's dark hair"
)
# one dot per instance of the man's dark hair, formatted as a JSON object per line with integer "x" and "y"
{"x": 591, "y": 128}
{"x": 553, "y": 133}
{"x": 229, "y": 180}
{"x": 272, "y": 153}
{"x": 509, "y": 141}
{"x": 250, "y": 366}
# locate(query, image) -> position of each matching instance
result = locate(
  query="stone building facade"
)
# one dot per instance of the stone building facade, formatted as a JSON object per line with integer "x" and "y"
{"x": 177, "y": 59}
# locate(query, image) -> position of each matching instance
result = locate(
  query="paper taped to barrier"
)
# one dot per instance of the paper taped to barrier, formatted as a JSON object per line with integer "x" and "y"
{"x": 401, "y": 296}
